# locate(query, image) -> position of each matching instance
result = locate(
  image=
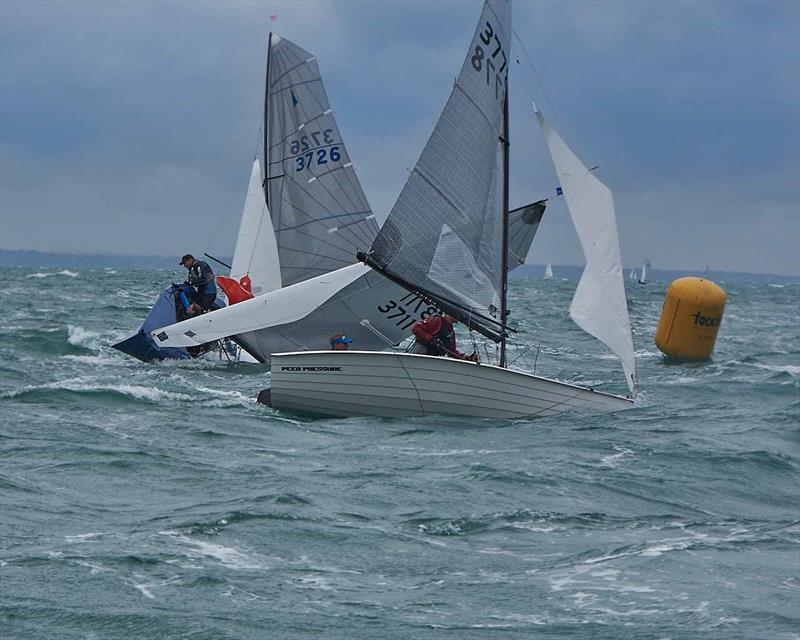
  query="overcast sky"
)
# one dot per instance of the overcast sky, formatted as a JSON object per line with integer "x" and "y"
{"x": 130, "y": 127}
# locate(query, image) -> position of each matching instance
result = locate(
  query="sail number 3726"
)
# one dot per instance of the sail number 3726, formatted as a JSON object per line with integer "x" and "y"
{"x": 325, "y": 149}
{"x": 486, "y": 60}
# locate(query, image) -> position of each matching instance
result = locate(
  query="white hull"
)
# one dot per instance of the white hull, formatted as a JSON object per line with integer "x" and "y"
{"x": 363, "y": 383}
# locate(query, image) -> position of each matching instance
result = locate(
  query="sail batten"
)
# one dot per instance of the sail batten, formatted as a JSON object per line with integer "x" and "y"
{"x": 599, "y": 305}
{"x": 319, "y": 210}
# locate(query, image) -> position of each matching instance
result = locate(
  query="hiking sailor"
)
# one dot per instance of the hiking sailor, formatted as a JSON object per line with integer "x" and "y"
{"x": 435, "y": 336}
{"x": 201, "y": 278}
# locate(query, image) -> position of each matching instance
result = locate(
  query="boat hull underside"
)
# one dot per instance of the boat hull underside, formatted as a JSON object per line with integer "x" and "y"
{"x": 358, "y": 383}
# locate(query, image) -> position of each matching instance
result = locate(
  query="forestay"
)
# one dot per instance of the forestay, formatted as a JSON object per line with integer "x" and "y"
{"x": 256, "y": 253}
{"x": 599, "y": 306}
{"x": 319, "y": 211}
{"x": 444, "y": 234}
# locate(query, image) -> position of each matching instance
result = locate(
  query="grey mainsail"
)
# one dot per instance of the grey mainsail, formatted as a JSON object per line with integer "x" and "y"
{"x": 444, "y": 233}
{"x": 522, "y": 226}
{"x": 319, "y": 211}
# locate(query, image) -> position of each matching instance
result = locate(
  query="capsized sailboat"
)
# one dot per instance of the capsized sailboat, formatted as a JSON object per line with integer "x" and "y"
{"x": 254, "y": 270}
{"x": 446, "y": 241}
{"x": 170, "y": 306}
{"x": 321, "y": 219}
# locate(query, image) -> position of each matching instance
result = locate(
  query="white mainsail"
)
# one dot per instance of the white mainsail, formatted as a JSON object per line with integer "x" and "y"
{"x": 548, "y": 272}
{"x": 599, "y": 306}
{"x": 256, "y": 253}
{"x": 643, "y": 277}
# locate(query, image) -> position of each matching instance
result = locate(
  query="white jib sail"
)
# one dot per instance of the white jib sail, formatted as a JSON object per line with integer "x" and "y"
{"x": 268, "y": 310}
{"x": 256, "y": 253}
{"x": 599, "y": 306}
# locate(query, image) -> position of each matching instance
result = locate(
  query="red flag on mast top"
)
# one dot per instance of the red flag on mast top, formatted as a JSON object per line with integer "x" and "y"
{"x": 273, "y": 18}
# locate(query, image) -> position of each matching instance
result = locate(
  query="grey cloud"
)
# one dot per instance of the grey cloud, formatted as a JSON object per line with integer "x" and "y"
{"x": 130, "y": 126}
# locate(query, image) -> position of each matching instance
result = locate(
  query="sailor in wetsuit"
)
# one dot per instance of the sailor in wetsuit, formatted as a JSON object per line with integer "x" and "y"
{"x": 436, "y": 337}
{"x": 201, "y": 278}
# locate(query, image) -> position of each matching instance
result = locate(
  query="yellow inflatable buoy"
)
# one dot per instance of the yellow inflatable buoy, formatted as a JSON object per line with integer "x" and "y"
{"x": 690, "y": 319}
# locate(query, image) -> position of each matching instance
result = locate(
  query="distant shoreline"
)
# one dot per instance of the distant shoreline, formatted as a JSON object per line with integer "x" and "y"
{"x": 49, "y": 260}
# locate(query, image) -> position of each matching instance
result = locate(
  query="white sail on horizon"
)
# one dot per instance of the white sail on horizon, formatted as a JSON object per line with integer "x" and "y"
{"x": 599, "y": 305}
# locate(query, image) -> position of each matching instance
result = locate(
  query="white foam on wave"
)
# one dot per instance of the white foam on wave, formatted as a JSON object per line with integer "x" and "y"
{"x": 135, "y": 391}
{"x": 791, "y": 369}
{"x": 614, "y": 460}
{"x": 80, "y": 337}
{"x": 93, "y": 360}
{"x": 227, "y": 556}
{"x": 83, "y": 537}
{"x": 226, "y": 398}
{"x": 63, "y": 272}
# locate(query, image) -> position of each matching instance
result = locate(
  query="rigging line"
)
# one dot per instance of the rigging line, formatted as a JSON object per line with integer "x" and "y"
{"x": 236, "y": 190}
{"x": 541, "y": 84}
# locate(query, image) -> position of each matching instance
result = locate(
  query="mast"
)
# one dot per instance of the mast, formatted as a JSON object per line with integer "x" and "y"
{"x": 266, "y": 124}
{"x": 504, "y": 251}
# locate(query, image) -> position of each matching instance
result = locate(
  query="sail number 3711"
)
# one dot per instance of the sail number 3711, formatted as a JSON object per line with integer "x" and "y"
{"x": 486, "y": 59}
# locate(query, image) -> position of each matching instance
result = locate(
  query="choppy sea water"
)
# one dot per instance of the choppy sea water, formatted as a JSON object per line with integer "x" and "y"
{"x": 159, "y": 501}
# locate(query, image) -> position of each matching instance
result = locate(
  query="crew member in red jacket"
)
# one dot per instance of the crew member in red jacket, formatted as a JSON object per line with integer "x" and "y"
{"x": 436, "y": 337}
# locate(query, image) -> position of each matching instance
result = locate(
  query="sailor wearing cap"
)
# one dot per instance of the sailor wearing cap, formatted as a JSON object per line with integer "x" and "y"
{"x": 340, "y": 342}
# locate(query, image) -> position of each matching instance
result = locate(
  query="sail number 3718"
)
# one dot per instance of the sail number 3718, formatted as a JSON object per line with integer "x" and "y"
{"x": 486, "y": 59}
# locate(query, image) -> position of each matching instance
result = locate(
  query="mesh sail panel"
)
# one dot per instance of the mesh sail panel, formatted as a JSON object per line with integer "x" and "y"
{"x": 319, "y": 211}
{"x": 444, "y": 233}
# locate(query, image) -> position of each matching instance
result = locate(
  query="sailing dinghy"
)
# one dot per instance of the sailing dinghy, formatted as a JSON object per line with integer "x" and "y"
{"x": 446, "y": 241}
{"x": 313, "y": 198}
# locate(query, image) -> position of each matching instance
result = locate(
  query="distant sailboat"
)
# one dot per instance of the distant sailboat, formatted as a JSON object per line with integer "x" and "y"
{"x": 632, "y": 275}
{"x": 643, "y": 277}
{"x": 548, "y": 272}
